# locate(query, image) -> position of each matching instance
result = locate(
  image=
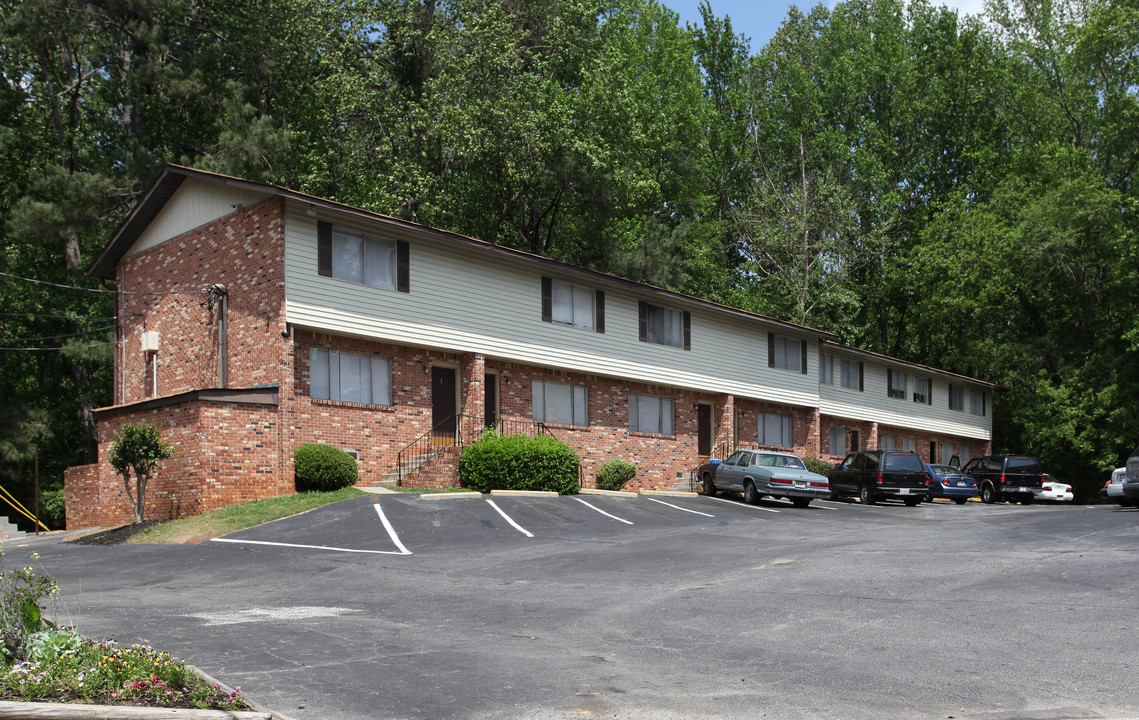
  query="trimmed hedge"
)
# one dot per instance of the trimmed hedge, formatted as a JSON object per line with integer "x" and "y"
{"x": 613, "y": 474}
{"x": 818, "y": 466}
{"x": 519, "y": 462}
{"x": 323, "y": 468}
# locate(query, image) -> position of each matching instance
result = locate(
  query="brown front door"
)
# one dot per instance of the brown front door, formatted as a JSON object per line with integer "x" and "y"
{"x": 703, "y": 430}
{"x": 443, "y": 403}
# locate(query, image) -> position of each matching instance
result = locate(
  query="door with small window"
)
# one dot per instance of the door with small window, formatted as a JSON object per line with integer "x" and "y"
{"x": 444, "y": 403}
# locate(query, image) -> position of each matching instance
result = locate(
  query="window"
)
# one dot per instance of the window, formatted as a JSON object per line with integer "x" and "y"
{"x": 826, "y": 369}
{"x": 361, "y": 258}
{"x": 956, "y": 398}
{"x": 568, "y": 304}
{"x": 888, "y": 442}
{"x": 774, "y": 429}
{"x": 896, "y": 383}
{"x": 559, "y": 403}
{"x": 923, "y": 390}
{"x": 946, "y": 453}
{"x": 838, "y": 440}
{"x": 852, "y": 375}
{"x": 786, "y": 354}
{"x": 664, "y": 326}
{"x": 350, "y": 377}
{"x": 966, "y": 454}
{"x": 910, "y": 444}
{"x": 977, "y": 402}
{"x": 650, "y": 414}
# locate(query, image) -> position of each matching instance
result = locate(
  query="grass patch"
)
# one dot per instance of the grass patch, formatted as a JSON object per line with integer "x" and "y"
{"x": 431, "y": 490}
{"x": 192, "y": 530}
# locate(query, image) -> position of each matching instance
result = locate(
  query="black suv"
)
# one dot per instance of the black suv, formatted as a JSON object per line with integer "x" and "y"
{"x": 1006, "y": 478}
{"x": 873, "y": 474}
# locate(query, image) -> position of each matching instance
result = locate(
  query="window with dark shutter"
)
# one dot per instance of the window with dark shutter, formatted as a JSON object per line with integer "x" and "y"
{"x": 324, "y": 249}
{"x": 861, "y": 376}
{"x": 599, "y": 311}
{"x": 804, "y": 363}
{"x": 770, "y": 350}
{"x": 643, "y": 320}
{"x": 687, "y": 330}
{"x": 547, "y": 302}
{"x": 403, "y": 267}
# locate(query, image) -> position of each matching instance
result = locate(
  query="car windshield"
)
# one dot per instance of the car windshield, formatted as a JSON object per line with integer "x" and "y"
{"x": 1023, "y": 464}
{"x": 786, "y": 461}
{"x": 902, "y": 461}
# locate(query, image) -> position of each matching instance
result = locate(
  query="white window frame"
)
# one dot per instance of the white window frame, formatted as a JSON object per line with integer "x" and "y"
{"x": 850, "y": 374}
{"x": 837, "y": 431}
{"x": 826, "y": 369}
{"x": 898, "y": 384}
{"x": 788, "y": 353}
{"x": 774, "y": 429}
{"x": 664, "y": 326}
{"x": 544, "y": 392}
{"x": 926, "y": 385}
{"x": 330, "y": 370}
{"x": 369, "y": 267}
{"x": 651, "y": 414}
{"x": 579, "y": 311}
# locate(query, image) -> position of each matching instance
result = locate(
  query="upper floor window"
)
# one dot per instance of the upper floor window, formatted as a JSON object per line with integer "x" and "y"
{"x": 956, "y": 397}
{"x": 649, "y": 414}
{"x": 896, "y": 383}
{"x": 560, "y": 403}
{"x": 575, "y": 305}
{"x": 349, "y": 377}
{"x": 664, "y": 326}
{"x": 826, "y": 369}
{"x": 923, "y": 390}
{"x": 361, "y": 258}
{"x": 977, "y": 402}
{"x": 852, "y": 375}
{"x": 775, "y": 429}
{"x": 786, "y": 354}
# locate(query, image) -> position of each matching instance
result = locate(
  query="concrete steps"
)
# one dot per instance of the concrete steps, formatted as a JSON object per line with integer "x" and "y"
{"x": 9, "y": 531}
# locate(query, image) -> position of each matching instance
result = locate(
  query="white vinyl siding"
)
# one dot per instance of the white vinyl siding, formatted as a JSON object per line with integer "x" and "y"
{"x": 649, "y": 414}
{"x": 350, "y": 377}
{"x": 560, "y": 403}
{"x": 774, "y": 429}
{"x": 571, "y": 305}
{"x": 194, "y": 204}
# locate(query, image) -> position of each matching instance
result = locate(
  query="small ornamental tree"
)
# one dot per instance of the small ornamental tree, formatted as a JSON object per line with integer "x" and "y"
{"x": 137, "y": 449}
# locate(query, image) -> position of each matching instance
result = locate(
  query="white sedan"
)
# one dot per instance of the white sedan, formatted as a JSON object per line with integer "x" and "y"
{"x": 1052, "y": 490}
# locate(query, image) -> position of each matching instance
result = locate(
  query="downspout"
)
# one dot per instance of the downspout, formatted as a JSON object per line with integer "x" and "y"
{"x": 223, "y": 334}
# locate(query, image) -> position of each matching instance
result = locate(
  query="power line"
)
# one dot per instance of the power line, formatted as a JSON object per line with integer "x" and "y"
{"x": 198, "y": 291}
{"x": 49, "y": 315}
{"x": 56, "y": 337}
{"x": 63, "y": 347}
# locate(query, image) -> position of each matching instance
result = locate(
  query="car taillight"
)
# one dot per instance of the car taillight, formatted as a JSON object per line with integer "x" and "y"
{"x": 820, "y": 484}
{"x": 1046, "y": 487}
{"x": 1106, "y": 484}
{"x": 879, "y": 478}
{"x": 1002, "y": 479}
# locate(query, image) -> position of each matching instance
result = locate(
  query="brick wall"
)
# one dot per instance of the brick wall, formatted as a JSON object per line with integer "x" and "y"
{"x": 244, "y": 251}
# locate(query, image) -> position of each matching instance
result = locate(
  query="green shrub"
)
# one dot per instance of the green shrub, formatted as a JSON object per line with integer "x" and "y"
{"x": 519, "y": 462}
{"x": 52, "y": 506}
{"x": 323, "y": 468}
{"x": 818, "y": 466}
{"x": 613, "y": 474}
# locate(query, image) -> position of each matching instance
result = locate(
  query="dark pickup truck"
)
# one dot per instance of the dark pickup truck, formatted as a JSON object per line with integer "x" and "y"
{"x": 874, "y": 474}
{"x": 1006, "y": 478}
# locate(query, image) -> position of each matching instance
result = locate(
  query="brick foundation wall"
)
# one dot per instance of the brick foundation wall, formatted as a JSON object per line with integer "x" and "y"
{"x": 244, "y": 251}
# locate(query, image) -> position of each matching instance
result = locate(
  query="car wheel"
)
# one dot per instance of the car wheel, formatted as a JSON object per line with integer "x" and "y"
{"x": 800, "y": 502}
{"x": 988, "y": 495}
{"x": 929, "y": 497}
{"x": 960, "y": 501}
{"x": 751, "y": 495}
{"x": 866, "y": 495}
{"x": 709, "y": 486}
{"x": 911, "y": 501}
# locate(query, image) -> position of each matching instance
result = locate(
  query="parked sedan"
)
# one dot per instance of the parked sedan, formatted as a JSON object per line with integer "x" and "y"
{"x": 946, "y": 481}
{"x": 1054, "y": 491}
{"x": 1113, "y": 489}
{"x": 756, "y": 473}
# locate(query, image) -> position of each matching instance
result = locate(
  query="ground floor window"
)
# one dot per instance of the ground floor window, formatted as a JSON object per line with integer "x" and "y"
{"x": 560, "y": 403}
{"x": 910, "y": 444}
{"x": 775, "y": 429}
{"x": 946, "y": 452}
{"x": 349, "y": 377}
{"x": 888, "y": 442}
{"x": 966, "y": 454}
{"x": 837, "y": 440}
{"x": 649, "y": 414}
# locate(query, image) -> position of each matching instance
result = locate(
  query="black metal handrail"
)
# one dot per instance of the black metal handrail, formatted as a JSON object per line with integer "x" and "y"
{"x": 719, "y": 452}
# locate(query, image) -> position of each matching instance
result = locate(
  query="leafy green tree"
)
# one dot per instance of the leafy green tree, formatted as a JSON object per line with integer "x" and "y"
{"x": 137, "y": 450}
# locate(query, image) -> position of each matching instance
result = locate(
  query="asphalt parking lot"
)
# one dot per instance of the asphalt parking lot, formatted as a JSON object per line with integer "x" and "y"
{"x": 395, "y": 606}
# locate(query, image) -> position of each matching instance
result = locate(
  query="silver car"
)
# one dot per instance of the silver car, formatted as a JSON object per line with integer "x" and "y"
{"x": 1131, "y": 484}
{"x": 756, "y": 473}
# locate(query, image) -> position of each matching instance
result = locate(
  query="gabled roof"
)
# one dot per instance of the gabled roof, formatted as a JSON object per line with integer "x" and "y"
{"x": 172, "y": 177}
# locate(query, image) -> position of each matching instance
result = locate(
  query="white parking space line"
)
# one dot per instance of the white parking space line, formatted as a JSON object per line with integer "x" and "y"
{"x": 591, "y": 507}
{"x": 739, "y": 504}
{"x": 391, "y": 530}
{"x": 694, "y": 512}
{"x": 310, "y": 547}
{"x": 510, "y": 520}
